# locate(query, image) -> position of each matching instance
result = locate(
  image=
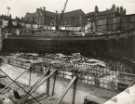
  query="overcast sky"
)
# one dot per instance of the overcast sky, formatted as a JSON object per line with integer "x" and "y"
{"x": 20, "y": 7}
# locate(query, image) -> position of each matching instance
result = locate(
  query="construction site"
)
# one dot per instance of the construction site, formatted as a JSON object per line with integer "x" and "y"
{"x": 68, "y": 57}
{"x": 28, "y": 78}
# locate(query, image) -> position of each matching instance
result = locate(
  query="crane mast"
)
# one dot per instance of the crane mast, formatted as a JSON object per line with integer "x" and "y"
{"x": 65, "y": 5}
{"x": 59, "y": 20}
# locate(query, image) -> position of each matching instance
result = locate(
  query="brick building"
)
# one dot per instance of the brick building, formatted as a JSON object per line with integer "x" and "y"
{"x": 102, "y": 15}
{"x": 41, "y": 17}
{"x": 76, "y": 18}
{"x": 102, "y": 21}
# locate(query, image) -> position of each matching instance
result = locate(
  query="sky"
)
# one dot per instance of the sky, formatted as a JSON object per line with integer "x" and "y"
{"x": 20, "y": 7}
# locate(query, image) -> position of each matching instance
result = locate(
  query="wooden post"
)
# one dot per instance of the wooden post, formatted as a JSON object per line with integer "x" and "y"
{"x": 48, "y": 84}
{"x": 36, "y": 86}
{"x": 30, "y": 71}
{"x": 74, "y": 91}
{"x": 1, "y": 39}
{"x": 54, "y": 79}
{"x": 66, "y": 90}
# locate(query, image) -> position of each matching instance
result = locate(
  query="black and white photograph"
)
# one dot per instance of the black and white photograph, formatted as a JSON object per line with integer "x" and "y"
{"x": 67, "y": 51}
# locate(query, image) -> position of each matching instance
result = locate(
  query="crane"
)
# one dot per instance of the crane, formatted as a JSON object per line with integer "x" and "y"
{"x": 65, "y": 5}
{"x": 59, "y": 21}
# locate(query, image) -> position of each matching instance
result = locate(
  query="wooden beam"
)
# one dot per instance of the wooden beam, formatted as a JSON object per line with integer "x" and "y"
{"x": 30, "y": 76}
{"x": 2, "y": 90}
{"x": 54, "y": 82}
{"x": 74, "y": 91}
{"x": 66, "y": 90}
{"x": 48, "y": 85}
{"x": 1, "y": 42}
{"x": 2, "y": 76}
{"x": 38, "y": 81}
{"x": 43, "y": 80}
{"x": 27, "y": 93}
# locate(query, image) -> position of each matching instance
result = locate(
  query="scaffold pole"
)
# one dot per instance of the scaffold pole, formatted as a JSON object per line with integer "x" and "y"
{"x": 54, "y": 82}
{"x": 67, "y": 89}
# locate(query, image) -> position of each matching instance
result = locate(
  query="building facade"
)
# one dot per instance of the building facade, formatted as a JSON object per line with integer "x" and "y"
{"x": 76, "y": 18}
{"x": 102, "y": 21}
{"x": 41, "y": 17}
